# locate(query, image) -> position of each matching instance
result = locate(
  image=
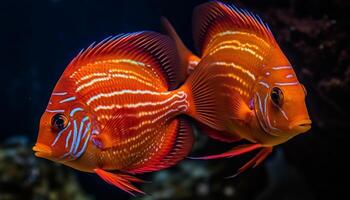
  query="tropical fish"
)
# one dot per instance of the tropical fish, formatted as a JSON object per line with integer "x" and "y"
{"x": 251, "y": 90}
{"x": 116, "y": 112}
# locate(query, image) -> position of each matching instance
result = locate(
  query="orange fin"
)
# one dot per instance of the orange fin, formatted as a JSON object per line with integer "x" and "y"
{"x": 116, "y": 129}
{"x": 212, "y": 18}
{"x": 255, "y": 161}
{"x": 147, "y": 49}
{"x": 222, "y": 136}
{"x": 208, "y": 107}
{"x": 121, "y": 181}
{"x": 187, "y": 59}
{"x": 203, "y": 98}
{"x": 183, "y": 144}
{"x": 179, "y": 149}
{"x": 239, "y": 150}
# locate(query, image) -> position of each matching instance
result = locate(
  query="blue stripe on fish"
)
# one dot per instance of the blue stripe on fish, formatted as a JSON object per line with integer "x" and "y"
{"x": 59, "y": 135}
{"x": 84, "y": 147}
{"x": 74, "y": 139}
{"x": 78, "y": 137}
{"x": 86, "y": 130}
{"x": 67, "y": 99}
{"x": 68, "y": 137}
{"x": 74, "y": 111}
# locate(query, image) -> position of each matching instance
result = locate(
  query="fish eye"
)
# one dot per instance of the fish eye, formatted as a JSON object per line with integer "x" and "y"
{"x": 59, "y": 121}
{"x": 276, "y": 96}
{"x": 305, "y": 91}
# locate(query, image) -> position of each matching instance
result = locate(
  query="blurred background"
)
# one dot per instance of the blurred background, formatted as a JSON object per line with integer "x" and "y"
{"x": 39, "y": 37}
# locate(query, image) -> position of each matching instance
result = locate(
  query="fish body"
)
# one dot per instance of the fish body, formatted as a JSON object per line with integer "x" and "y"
{"x": 252, "y": 92}
{"x": 115, "y": 109}
{"x": 124, "y": 92}
{"x": 240, "y": 68}
{"x": 118, "y": 109}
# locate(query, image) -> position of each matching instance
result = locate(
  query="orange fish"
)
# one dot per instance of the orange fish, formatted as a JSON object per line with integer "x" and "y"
{"x": 115, "y": 110}
{"x": 251, "y": 89}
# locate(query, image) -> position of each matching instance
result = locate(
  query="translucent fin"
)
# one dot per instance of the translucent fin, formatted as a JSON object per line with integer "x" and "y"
{"x": 255, "y": 161}
{"x": 203, "y": 98}
{"x": 121, "y": 181}
{"x": 239, "y": 150}
{"x": 208, "y": 107}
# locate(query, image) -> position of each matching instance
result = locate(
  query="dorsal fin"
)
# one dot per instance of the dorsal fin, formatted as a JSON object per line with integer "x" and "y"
{"x": 212, "y": 18}
{"x": 155, "y": 50}
{"x": 188, "y": 60}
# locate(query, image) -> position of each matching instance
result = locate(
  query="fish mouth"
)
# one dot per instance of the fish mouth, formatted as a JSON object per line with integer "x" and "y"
{"x": 301, "y": 126}
{"x": 42, "y": 150}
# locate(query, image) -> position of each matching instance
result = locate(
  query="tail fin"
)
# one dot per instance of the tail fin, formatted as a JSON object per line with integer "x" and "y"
{"x": 187, "y": 58}
{"x": 204, "y": 104}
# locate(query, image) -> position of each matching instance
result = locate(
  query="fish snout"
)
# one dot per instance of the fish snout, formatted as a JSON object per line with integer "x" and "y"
{"x": 42, "y": 150}
{"x": 300, "y": 126}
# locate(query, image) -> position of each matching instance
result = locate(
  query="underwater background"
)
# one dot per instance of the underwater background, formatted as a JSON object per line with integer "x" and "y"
{"x": 38, "y": 38}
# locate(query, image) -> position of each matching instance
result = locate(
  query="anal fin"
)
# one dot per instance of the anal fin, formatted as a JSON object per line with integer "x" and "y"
{"x": 121, "y": 181}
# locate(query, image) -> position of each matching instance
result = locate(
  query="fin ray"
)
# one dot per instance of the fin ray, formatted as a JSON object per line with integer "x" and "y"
{"x": 180, "y": 147}
{"x": 155, "y": 50}
{"x": 255, "y": 161}
{"x": 203, "y": 95}
{"x": 188, "y": 60}
{"x": 239, "y": 150}
{"x": 122, "y": 181}
{"x": 214, "y": 17}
